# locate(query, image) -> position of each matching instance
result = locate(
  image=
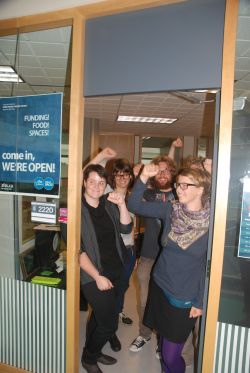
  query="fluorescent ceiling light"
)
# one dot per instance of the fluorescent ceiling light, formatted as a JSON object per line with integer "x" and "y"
{"x": 125, "y": 118}
{"x": 8, "y": 74}
{"x": 206, "y": 90}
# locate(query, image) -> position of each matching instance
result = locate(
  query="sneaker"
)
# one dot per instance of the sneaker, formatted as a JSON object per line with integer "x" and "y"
{"x": 158, "y": 352}
{"x": 138, "y": 343}
{"x": 125, "y": 319}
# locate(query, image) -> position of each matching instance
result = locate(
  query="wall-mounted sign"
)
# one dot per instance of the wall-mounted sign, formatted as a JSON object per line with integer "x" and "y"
{"x": 244, "y": 236}
{"x": 43, "y": 212}
{"x": 30, "y": 144}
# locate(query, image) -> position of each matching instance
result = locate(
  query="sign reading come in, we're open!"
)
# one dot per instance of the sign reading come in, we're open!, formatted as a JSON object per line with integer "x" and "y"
{"x": 30, "y": 144}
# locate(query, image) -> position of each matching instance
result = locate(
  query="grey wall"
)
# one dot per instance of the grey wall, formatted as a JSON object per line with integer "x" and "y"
{"x": 171, "y": 47}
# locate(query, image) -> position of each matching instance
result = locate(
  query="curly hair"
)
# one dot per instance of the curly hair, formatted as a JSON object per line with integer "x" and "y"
{"x": 171, "y": 166}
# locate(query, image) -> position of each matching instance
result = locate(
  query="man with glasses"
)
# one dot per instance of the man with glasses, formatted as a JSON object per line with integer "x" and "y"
{"x": 159, "y": 189}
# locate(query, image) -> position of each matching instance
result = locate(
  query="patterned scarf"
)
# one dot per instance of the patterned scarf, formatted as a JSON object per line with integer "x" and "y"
{"x": 187, "y": 226}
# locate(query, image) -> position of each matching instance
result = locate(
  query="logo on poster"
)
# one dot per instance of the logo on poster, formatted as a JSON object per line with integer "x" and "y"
{"x": 49, "y": 183}
{"x": 38, "y": 183}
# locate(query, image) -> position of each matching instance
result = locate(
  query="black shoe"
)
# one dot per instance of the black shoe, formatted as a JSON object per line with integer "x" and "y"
{"x": 91, "y": 368}
{"x": 115, "y": 344}
{"x": 125, "y": 319}
{"x": 106, "y": 360}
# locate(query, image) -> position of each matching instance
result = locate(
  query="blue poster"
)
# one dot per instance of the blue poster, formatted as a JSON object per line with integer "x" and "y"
{"x": 30, "y": 144}
{"x": 244, "y": 237}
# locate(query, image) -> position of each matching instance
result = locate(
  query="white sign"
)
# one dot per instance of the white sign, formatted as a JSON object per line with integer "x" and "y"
{"x": 43, "y": 212}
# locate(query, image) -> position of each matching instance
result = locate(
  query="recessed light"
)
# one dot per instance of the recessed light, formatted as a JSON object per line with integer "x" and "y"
{"x": 125, "y": 118}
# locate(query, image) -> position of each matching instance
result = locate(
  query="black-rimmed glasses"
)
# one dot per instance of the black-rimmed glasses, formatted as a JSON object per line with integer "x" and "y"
{"x": 183, "y": 186}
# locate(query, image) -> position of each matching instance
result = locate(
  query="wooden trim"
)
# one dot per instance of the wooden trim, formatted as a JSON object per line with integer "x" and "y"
{"x": 223, "y": 174}
{"x": 74, "y": 194}
{"x": 10, "y": 369}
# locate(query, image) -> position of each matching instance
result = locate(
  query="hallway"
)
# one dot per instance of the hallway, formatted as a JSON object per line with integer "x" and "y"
{"x": 143, "y": 361}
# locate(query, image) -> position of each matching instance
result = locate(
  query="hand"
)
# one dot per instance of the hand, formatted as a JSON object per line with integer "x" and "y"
{"x": 137, "y": 169}
{"x": 177, "y": 143}
{"x": 149, "y": 170}
{"x": 103, "y": 283}
{"x": 108, "y": 153}
{"x": 195, "y": 312}
{"x": 208, "y": 165}
{"x": 117, "y": 198}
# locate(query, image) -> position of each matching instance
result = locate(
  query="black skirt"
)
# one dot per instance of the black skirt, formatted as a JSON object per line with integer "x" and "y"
{"x": 169, "y": 321}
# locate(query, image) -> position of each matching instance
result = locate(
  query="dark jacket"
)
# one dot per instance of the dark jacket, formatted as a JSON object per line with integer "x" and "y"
{"x": 89, "y": 243}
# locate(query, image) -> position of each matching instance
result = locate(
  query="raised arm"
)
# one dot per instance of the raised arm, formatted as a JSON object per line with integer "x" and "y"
{"x": 119, "y": 200}
{"x": 103, "y": 157}
{"x": 175, "y": 144}
{"x": 137, "y": 204}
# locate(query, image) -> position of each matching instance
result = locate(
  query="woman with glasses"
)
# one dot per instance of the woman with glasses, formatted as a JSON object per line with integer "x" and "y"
{"x": 102, "y": 262}
{"x": 177, "y": 284}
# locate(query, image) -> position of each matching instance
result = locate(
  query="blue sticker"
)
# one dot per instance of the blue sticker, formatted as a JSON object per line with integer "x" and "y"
{"x": 49, "y": 183}
{"x": 38, "y": 183}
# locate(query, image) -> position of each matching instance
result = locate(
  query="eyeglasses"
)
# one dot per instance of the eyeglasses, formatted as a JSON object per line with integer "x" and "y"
{"x": 164, "y": 172}
{"x": 183, "y": 186}
{"x": 123, "y": 175}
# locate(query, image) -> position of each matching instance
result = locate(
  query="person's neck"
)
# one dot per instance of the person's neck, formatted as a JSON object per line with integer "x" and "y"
{"x": 121, "y": 190}
{"x": 194, "y": 206}
{"x": 92, "y": 201}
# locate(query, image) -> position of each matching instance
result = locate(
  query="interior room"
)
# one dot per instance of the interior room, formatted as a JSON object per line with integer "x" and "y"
{"x": 41, "y": 63}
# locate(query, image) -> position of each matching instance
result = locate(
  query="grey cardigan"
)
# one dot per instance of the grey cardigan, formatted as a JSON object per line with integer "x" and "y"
{"x": 89, "y": 243}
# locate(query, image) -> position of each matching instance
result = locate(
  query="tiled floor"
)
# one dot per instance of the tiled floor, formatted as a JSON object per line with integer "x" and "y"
{"x": 143, "y": 361}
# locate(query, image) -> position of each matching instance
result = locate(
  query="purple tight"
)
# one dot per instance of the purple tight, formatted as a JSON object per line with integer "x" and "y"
{"x": 172, "y": 361}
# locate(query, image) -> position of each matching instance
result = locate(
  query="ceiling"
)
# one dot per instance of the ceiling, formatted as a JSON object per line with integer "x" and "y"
{"x": 42, "y": 60}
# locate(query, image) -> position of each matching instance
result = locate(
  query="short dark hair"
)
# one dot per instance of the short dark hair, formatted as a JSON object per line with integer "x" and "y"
{"x": 121, "y": 165}
{"x": 95, "y": 168}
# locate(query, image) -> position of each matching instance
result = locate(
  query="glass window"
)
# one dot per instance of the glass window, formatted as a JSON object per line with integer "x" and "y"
{"x": 30, "y": 246}
{"x": 235, "y": 291}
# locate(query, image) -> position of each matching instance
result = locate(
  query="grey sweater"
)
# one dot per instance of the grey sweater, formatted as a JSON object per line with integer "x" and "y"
{"x": 178, "y": 272}
{"x": 89, "y": 243}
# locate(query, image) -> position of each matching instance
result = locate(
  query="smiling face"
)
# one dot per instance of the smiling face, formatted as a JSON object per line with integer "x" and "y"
{"x": 191, "y": 196}
{"x": 163, "y": 178}
{"x": 94, "y": 188}
{"x": 122, "y": 180}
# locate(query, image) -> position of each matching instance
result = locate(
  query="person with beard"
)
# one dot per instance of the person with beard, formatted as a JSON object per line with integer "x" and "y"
{"x": 159, "y": 190}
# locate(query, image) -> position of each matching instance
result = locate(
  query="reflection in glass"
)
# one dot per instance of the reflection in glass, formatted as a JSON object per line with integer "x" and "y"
{"x": 43, "y": 60}
{"x": 235, "y": 292}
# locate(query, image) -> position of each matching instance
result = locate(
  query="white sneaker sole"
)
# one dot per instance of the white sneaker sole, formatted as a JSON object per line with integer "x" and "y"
{"x": 136, "y": 349}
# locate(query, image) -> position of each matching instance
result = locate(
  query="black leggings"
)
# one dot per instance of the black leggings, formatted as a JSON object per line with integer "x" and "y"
{"x": 103, "y": 321}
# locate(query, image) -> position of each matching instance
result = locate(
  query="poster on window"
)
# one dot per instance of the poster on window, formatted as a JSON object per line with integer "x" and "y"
{"x": 30, "y": 144}
{"x": 244, "y": 236}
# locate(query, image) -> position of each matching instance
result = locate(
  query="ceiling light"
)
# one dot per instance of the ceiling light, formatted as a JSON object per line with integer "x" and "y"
{"x": 8, "y": 74}
{"x": 125, "y": 118}
{"x": 206, "y": 90}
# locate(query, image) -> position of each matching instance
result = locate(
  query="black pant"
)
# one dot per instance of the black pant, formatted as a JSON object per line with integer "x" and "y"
{"x": 103, "y": 321}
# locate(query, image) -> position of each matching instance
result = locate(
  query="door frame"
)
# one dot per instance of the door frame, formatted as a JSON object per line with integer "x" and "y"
{"x": 77, "y": 17}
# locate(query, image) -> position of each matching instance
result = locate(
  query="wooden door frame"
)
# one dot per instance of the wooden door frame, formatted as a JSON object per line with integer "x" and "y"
{"x": 222, "y": 185}
{"x": 76, "y": 17}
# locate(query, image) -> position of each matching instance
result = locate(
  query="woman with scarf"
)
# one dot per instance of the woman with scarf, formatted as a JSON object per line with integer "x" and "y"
{"x": 177, "y": 284}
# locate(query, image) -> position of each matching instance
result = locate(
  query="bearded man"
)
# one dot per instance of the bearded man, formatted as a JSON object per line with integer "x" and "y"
{"x": 159, "y": 189}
